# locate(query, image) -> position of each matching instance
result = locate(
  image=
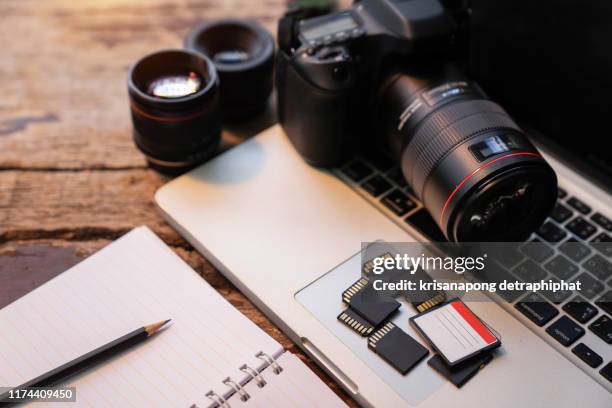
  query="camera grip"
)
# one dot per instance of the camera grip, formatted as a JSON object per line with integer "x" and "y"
{"x": 315, "y": 120}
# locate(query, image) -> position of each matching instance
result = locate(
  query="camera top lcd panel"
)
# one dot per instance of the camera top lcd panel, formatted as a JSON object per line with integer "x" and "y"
{"x": 409, "y": 20}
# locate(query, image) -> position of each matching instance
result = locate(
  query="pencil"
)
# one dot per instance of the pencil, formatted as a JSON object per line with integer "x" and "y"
{"x": 90, "y": 359}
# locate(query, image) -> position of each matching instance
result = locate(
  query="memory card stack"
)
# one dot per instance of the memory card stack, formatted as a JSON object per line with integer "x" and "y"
{"x": 463, "y": 341}
{"x": 367, "y": 314}
{"x": 442, "y": 324}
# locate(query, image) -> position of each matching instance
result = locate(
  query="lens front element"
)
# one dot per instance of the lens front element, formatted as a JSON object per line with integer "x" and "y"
{"x": 175, "y": 86}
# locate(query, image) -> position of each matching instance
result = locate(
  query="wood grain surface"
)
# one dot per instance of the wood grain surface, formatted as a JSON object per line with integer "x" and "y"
{"x": 71, "y": 180}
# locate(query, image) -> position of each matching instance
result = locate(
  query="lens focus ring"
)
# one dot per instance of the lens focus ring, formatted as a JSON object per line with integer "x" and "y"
{"x": 446, "y": 128}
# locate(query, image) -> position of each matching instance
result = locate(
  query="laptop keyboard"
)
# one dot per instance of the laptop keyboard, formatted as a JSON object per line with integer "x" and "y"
{"x": 579, "y": 323}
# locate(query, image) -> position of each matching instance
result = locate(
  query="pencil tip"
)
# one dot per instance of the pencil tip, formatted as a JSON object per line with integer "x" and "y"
{"x": 153, "y": 328}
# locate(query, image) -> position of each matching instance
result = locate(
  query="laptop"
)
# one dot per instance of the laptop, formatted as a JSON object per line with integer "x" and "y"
{"x": 288, "y": 236}
{"x": 275, "y": 227}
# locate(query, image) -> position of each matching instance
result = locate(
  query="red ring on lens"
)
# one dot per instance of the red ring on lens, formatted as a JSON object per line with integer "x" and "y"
{"x": 165, "y": 119}
{"x": 482, "y": 167}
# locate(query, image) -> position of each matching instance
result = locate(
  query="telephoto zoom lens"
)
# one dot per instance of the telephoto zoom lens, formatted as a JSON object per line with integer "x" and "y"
{"x": 471, "y": 165}
{"x": 174, "y": 101}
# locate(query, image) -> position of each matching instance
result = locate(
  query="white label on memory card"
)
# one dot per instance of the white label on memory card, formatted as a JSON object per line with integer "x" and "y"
{"x": 455, "y": 331}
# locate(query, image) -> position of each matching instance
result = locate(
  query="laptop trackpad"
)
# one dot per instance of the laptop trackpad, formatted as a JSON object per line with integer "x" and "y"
{"x": 322, "y": 298}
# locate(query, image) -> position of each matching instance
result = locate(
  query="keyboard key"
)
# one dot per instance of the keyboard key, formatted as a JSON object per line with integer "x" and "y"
{"x": 357, "y": 170}
{"x": 508, "y": 255}
{"x": 422, "y": 221}
{"x": 599, "y": 267}
{"x": 581, "y": 227}
{"x": 565, "y": 331}
{"x": 529, "y": 271}
{"x": 537, "y": 250}
{"x": 376, "y": 185}
{"x": 396, "y": 176}
{"x": 561, "y": 193}
{"x": 579, "y": 205}
{"x": 550, "y": 232}
{"x": 398, "y": 202}
{"x": 561, "y": 267}
{"x": 590, "y": 287}
{"x": 575, "y": 250}
{"x": 603, "y": 221}
{"x": 561, "y": 213}
{"x": 603, "y": 243}
{"x": 607, "y": 371}
{"x": 510, "y": 295}
{"x": 536, "y": 309}
{"x": 580, "y": 309}
{"x": 495, "y": 273}
{"x": 603, "y": 328}
{"x": 557, "y": 296}
{"x": 605, "y": 302}
{"x": 587, "y": 355}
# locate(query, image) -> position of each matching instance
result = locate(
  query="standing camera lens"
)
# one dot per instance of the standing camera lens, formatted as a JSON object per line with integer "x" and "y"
{"x": 243, "y": 53}
{"x": 467, "y": 160}
{"x": 174, "y": 98}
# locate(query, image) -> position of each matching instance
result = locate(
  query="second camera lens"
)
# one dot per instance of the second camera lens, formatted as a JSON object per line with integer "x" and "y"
{"x": 243, "y": 53}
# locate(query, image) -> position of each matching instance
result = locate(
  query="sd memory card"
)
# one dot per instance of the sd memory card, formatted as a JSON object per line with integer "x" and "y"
{"x": 366, "y": 309}
{"x": 396, "y": 347}
{"x": 355, "y": 322}
{"x": 373, "y": 306}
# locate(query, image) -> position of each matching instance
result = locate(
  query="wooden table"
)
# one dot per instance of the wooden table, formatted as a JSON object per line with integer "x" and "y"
{"x": 71, "y": 180}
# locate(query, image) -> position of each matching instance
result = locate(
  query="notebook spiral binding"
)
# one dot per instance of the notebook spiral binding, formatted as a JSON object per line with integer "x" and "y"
{"x": 236, "y": 388}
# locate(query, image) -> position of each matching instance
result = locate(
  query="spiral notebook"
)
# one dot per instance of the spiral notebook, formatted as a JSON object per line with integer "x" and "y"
{"x": 211, "y": 355}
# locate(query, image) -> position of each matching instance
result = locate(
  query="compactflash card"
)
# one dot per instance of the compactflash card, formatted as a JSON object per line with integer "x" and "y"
{"x": 455, "y": 331}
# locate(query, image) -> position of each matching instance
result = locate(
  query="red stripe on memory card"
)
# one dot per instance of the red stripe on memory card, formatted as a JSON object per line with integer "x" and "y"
{"x": 473, "y": 321}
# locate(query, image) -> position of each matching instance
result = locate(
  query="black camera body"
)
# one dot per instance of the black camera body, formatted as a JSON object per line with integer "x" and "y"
{"x": 380, "y": 75}
{"x": 327, "y": 81}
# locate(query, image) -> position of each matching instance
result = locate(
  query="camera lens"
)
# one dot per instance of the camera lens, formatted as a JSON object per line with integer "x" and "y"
{"x": 243, "y": 53}
{"x": 174, "y": 98}
{"x": 467, "y": 160}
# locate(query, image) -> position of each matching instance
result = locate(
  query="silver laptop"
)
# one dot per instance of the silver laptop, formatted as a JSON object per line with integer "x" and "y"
{"x": 288, "y": 236}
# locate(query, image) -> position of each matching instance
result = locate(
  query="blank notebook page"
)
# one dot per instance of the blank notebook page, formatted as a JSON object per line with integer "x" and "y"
{"x": 135, "y": 281}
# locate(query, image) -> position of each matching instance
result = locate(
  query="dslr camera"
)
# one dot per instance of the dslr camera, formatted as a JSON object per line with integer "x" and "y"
{"x": 381, "y": 75}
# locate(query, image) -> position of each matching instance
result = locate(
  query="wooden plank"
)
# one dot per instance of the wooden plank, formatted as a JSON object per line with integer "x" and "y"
{"x": 80, "y": 205}
{"x": 63, "y": 73}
